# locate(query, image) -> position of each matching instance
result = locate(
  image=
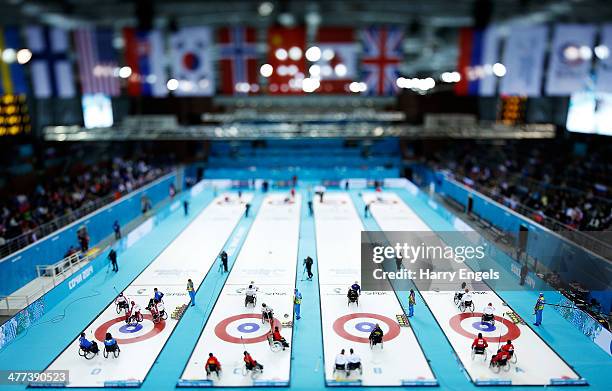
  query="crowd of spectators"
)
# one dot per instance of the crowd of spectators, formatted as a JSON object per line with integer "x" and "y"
{"x": 56, "y": 196}
{"x": 564, "y": 181}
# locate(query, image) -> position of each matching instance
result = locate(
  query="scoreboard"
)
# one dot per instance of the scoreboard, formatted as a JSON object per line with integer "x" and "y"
{"x": 511, "y": 110}
{"x": 14, "y": 115}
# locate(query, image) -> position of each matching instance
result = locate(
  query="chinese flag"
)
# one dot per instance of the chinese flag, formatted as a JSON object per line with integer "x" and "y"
{"x": 286, "y": 47}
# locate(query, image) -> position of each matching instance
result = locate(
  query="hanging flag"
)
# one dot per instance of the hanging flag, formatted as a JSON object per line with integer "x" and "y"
{"x": 238, "y": 60}
{"x": 338, "y": 62}
{"x": 603, "y": 68}
{"x": 50, "y": 67}
{"x": 569, "y": 69}
{"x": 524, "y": 60}
{"x": 286, "y": 48}
{"x": 12, "y": 76}
{"x": 97, "y": 61}
{"x": 478, "y": 52}
{"x": 192, "y": 62}
{"x": 144, "y": 54}
{"x": 382, "y": 55}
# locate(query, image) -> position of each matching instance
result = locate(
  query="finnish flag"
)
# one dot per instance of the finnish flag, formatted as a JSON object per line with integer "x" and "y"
{"x": 51, "y": 70}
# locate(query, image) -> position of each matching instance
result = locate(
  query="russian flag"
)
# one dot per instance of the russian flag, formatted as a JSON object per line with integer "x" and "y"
{"x": 144, "y": 54}
{"x": 478, "y": 51}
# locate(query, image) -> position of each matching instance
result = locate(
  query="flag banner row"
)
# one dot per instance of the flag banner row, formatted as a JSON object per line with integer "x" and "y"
{"x": 90, "y": 58}
{"x": 522, "y": 60}
{"x": 561, "y": 60}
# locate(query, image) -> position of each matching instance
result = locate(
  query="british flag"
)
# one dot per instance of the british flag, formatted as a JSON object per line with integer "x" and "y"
{"x": 238, "y": 60}
{"x": 382, "y": 54}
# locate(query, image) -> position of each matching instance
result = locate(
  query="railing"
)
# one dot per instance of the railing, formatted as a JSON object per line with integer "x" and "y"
{"x": 17, "y": 243}
{"x": 583, "y": 239}
{"x": 52, "y": 276}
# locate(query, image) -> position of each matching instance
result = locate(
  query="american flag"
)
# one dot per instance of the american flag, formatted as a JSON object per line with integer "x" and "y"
{"x": 97, "y": 61}
{"x": 382, "y": 48}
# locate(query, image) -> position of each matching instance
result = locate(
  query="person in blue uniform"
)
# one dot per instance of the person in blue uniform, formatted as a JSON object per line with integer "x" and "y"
{"x": 157, "y": 295}
{"x": 297, "y": 303}
{"x": 88, "y": 345}
{"x": 110, "y": 343}
{"x": 538, "y": 309}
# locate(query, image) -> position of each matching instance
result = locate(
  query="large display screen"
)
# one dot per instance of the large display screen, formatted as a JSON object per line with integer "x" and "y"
{"x": 97, "y": 111}
{"x": 590, "y": 112}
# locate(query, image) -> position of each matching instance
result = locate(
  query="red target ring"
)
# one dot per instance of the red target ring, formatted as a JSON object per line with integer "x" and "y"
{"x": 394, "y": 329}
{"x": 221, "y": 329}
{"x": 101, "y": 331}
{"x": 513, "y": 331}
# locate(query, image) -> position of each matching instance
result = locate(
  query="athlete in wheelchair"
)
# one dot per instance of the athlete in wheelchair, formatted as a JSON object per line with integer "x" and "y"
{"x": 87, "y": 349}
{"x": 134, "y": 314}
{"x": 340, "y": 362}
{"x": 250, "y": 296}
{"x": 376, "y": 337}
{"x": 466, "y": 301}
{"x": 251, "y": 366}
{"x": 500, "y": 361}
{"x": 509, "y": 348}
{"x": 488, "y": 314}
{"x": 479, "y": 347}
{"x": 276, "y": 340}
{"x": 157, "y": 310}
{"x": 353, "y": 363}
{"x": 213, "y": 365}
{"x": 121, "y": 303}
{"x": 353, "y": 296}
{"x": 459, "y": 294}
{"x": 111, "y": 346}
{"x": 267, "y": 314}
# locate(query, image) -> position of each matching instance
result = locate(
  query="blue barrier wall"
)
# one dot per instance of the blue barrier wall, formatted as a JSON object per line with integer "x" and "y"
{"x": 19, "y": 268}
{"x": 302, "y": 173}
{"x": 557, "y": 254}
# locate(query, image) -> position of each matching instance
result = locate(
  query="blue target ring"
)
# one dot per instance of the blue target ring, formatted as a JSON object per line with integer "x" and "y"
{"x": 248, "y": 327}
{"x": 365, "y": 327}
{"x": 483, "y": 326}
{"x": 130, "y": 328}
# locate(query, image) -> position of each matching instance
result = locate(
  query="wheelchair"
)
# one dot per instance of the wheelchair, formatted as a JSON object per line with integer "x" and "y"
{"x": 353, "y": 299}
{"x": 135, "y": 319}
{"x": 121, "y": 306}
{"x": 457, "y": 298}
{"x": 512, "y": 358}
{"x": 158, "y": 317}
{"x": 250, "y": 300}
{"x": 341, "y": 368}
{"x": 276, "y": 346}
{"x": 497, "y": 366}
{"x": 486, "y": 318}
{"x": 213, "y": 368}
{"x": 89, "y": 353}
{"x": 464, "y": 305}
{"x": 376, "y": 340}
{"x": 267, "y": 317}
{"x": 254, "y": 371}
{"x": 354, "y": 366}
{"x": 476, "y": 351}
{"x": 114, "y": 350}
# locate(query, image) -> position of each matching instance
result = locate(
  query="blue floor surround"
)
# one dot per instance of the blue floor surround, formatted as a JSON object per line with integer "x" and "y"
{"x": 35, "y": 349}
